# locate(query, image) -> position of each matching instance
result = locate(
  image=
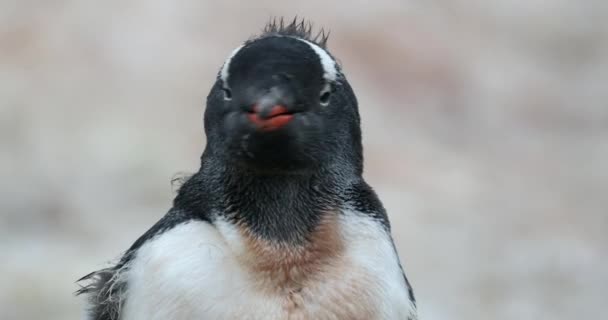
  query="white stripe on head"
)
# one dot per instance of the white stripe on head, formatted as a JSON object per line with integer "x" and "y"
{"x": 330, "y": 69}
{"x": 224, "y": 72}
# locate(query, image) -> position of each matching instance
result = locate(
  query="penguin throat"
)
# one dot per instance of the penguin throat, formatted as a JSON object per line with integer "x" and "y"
{"x": 280, "y": 208}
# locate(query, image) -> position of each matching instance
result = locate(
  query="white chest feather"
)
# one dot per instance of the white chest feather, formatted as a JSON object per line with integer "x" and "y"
{"x": 200, "y": 271}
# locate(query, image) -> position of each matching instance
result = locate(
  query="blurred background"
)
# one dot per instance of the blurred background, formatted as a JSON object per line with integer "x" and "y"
{"x": 485, "y": 131}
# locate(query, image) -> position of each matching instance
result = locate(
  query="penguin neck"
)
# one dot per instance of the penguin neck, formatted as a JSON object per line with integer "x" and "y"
{"x": 284, "y": 208}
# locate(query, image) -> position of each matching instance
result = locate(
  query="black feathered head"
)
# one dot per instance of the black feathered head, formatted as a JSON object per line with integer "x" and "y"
{"x": 281, "y": 104}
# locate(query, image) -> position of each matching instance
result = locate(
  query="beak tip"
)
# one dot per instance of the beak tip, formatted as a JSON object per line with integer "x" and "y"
{"x": 266, "y": 112}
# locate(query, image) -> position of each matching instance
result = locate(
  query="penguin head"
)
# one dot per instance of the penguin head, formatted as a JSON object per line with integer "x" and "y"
{"x": 282, "y": 104}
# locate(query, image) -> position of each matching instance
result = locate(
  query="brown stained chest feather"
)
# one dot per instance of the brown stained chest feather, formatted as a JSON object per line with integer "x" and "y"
{"x": 291, "y": 266}
{"x": 300, "y": 274}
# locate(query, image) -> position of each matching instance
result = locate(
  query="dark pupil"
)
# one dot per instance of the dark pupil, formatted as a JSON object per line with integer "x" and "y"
{"x": 227, "y": 93}
{"x": 325, "y": 97}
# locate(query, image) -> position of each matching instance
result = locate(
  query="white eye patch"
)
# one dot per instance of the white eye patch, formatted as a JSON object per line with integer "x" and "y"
{"x": 330, "y": 70}
{"x": 224, "y": 72}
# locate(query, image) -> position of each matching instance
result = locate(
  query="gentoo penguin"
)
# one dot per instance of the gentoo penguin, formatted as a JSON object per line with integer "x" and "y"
{"x": 278, "y": 222}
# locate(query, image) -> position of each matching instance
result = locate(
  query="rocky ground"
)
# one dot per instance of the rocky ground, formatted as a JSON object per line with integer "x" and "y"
{"x": 485, "y": 127}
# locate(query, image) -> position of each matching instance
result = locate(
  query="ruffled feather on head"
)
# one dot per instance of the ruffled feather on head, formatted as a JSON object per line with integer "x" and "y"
{"x": 298, "y": 28}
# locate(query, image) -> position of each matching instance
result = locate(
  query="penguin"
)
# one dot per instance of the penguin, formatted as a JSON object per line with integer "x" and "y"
{"x": 278, "y": 222}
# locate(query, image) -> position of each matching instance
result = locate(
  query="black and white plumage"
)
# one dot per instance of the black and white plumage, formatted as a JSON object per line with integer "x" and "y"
{"x": 278, "y": 223}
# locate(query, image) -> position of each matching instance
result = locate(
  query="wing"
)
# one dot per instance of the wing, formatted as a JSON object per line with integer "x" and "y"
{"x": 106, "y": 288}
{"x": 363, "y": 198}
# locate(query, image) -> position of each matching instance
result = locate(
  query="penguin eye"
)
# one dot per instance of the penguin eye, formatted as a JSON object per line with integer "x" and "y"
{"x": 325, "y": 95}
{"x": 227, "y": 94}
